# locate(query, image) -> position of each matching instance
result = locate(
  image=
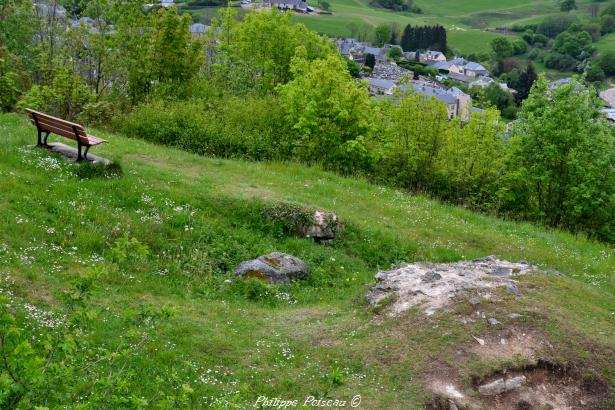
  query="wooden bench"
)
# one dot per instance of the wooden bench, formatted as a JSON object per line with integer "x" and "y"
{"x": 47, "y": 124}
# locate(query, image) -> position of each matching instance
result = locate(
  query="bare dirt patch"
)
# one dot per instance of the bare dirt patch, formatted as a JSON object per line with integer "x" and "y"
{"x": 533, "y": 387}
{"x": 511, "y": 342}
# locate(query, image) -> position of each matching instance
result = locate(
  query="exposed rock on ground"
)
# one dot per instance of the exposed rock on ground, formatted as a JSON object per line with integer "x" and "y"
{"x": 323, "y": 226}
{"x": 500, "y": 386}
{"x": 434, "y": 286}
{"x": 308, "y": 222}
{"x": 277, "y": 267}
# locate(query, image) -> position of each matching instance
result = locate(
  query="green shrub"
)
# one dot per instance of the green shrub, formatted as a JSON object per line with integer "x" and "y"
{"x": 98, "y": 114}
{"x": 9, "y": 93}
{"x": 65, "y": 97}
{"x": 250, "y": 127}
{"x": 291, "y": 217}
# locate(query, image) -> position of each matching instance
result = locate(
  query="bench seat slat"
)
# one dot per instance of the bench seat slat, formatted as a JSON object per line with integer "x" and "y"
{"x": 92, "y": 140}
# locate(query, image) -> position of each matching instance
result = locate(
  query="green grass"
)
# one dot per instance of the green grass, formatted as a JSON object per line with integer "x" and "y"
{"x": 468, "y": 22}
{"x": 200, "y": 217}
{"x": 606, "y": 43}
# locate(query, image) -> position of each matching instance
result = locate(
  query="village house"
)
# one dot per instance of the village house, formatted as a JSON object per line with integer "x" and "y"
{"x": 432, "y": 56}
{"x": 428, "y": 57}
{"x": 458, "y": 103}
{"x": 378, "y": 52}
{"x": 378, "y": 86}
{"x": 462, "y": 70}
{"x": 299, "y": 6}
{"x": 356, "y": 50}
{"x": 485, "y": 81}
{"x": 198, "y": 30}
{"x": 561, "y": 81}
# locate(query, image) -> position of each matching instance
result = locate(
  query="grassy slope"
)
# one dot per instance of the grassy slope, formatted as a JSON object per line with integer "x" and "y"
{"x": 218, "y": 225}
{"x": 466, "y": 21}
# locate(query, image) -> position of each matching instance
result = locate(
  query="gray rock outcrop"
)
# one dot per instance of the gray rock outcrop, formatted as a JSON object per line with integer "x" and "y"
{"x": 276, "y": 267}
{"x": 323, "y": 227}
{"x": 500, "y": 386}
{"x": 434, "y": 286}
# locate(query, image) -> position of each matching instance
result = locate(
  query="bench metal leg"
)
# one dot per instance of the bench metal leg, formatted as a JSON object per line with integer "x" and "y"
{"x": 46, "y": 136}
{"x": 79, "y": 157}
{"x": 38, "y": 129}
{"x": 78, "y": 138}
{"x": 85, "y": 153}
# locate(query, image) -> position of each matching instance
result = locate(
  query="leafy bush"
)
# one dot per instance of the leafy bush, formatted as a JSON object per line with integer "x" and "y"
{"x": 607, "y": 24}
{"x": 398, "y": 5}
{"x": 553, "y": 25}
{"x": 594, "y": 73}
{"x": 292, "y": 217}
{"x": 251, "y": 127}
{"x": 519, "y": 47}
{"x": 559, "y": 61}
{"x": 98, "y": 114}
{"x": 609, "y": 10}
{"x": 330, "y": 112}
{"x": 66, "y": 97}
{"x": 9, "y": 92}
{"x": 561, "y": 161}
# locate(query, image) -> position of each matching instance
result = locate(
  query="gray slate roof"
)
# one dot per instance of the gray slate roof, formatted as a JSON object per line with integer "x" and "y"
{"x": 373, "y": 50}
{"x": 380, "y": 83}
{"x": 446, "y": 96}
{"x": 198, "y": 28}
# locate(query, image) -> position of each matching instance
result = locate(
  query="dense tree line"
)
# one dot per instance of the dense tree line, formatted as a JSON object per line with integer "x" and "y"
{"x": 398, "y": 5}
{"x": 266, "y": 89}
{"x": 424, "y": 38}
{"x": 565, "y": 42}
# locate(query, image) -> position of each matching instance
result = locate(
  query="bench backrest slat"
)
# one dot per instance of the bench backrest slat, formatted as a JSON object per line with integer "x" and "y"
{"x": 59, "y": 130}
{"x": 57, "y": 125}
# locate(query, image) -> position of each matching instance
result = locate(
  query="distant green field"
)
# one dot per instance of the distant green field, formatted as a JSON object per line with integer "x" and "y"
{"x": 606, "y": 43}
{"x": 467, "y": 22}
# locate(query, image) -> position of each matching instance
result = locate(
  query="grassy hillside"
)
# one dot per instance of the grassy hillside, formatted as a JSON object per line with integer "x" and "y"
{"x": 230, "y": 341}
{"x": 467, "y": 22}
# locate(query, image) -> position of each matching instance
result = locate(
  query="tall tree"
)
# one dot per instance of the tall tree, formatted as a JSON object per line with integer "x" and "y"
{"x": 567, "y": 5}
{"x": 370, "y": 61}
{"x": 329, "y": 110}
{"x": 425, "y": 37}
{"x": 563, "y": 160}
{"x": 415, "y": 131}
{"x": 382, "y": 34}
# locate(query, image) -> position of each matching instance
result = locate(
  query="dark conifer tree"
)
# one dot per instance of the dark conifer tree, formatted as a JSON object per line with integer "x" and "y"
{"x": 370, "y": 61}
